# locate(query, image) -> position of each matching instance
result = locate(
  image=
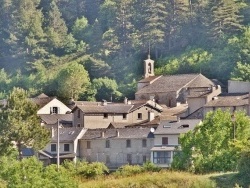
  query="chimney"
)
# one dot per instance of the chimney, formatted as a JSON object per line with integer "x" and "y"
{"x": 104, "y": 102}
{"x": 71, "y": 101}
{"x": 151, "y": 115}
{"x": 102, "y": 134}
{"x": 125, "y": 100}
{"x": 52, "y": 132}
{"x": 117, "y": 133}
{"x": 178, "y": 118}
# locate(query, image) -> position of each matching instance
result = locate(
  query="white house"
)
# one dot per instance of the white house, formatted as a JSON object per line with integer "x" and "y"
{"x": 68, "y": 145}
{"x": 166, "y": 139}
{"x": 50, "y": 105}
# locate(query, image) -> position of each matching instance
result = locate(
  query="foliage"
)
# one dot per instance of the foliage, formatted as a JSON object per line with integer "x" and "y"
{"x": 211, "y": 146}
{"x": 244, "y": 163}
{"x": 85, "y": 169}
{"x": 31, "y": 173}
{"x": 72, "y": 81}
{"x": 150, "y": 167}
{"x": 40, "y": 37}
{"x": 162, "y": 179}
{"x": 20, "y": 123}
{"x": 129, "y": 170}
{"x": 106, "y": 89}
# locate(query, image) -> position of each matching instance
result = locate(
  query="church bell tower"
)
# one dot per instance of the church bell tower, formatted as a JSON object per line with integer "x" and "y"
{"x": 148, "y": 67}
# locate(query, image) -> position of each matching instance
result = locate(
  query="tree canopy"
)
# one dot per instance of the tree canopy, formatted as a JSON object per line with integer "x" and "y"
{"x": 20, "y": 125}
{"x": 214, "y": 145}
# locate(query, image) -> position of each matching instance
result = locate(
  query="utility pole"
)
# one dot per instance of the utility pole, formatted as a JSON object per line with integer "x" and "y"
{"x": 58, "y": 145}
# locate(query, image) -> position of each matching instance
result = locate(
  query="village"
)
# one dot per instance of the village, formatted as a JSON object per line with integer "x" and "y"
{"x": 135, "y": 131}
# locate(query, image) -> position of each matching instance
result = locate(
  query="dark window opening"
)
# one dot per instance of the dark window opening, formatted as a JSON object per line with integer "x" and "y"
{"x": 66, "y": 147}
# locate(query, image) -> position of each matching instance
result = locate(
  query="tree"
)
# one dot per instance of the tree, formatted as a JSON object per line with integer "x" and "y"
{"x": 20, "y": 124}
{"x": 106, "y": 88}
{"x": 31, "y": 172}
{"x": 241, "y": 72}
{"x": 72, "y": 80}
{"x": 211, "y": 146}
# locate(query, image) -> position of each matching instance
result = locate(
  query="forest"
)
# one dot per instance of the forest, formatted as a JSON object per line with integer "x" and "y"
{"x": 94, "y": 49}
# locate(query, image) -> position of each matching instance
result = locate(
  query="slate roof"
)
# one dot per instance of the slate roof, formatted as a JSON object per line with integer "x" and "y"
{"x": 174, "y": 83}
{"x": 200, "y": 81}
{"x": 67, "y": 134}
{"x": 149, "y": 79}
{"x": 199, "y": 93}
{"x": 123, "y": 133}
{"x": 176, "y": 127}
{"x": 42, "y": 99}
{"x": 229, "y": 100}
{"x": 118, "y": 108}
{"x": 167, "y": 83}
{"x": 52, "y": 118}
{"x": 115, "y": 108}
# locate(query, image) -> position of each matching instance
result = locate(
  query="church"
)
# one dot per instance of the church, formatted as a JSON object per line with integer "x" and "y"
{"x": 173, "y": 90}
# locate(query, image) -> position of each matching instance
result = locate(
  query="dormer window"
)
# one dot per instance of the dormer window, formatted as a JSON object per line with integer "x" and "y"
{"x": 54, "y": 110}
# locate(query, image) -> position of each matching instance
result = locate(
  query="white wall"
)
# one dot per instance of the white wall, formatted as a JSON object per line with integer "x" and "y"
{"x": 238, "y": 86}
{"x": 54, "y": 103}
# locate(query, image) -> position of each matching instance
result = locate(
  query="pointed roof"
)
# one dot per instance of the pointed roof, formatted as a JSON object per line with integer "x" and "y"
{"x": 167, "y": 83}
{"x": 200, "y": 81}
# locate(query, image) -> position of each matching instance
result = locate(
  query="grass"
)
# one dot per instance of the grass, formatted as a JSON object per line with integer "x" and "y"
{"x": 230, "y": 180}
{"x": 163, "y": 179}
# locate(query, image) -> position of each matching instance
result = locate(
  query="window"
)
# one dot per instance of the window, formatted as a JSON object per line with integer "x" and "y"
{"x": 164, "y": 141}
{"x": 55, "y": 110}
{"x": 78, "y": 113}
{"x": 66, "y": 147}
{"x": 162, "y": 157}
{"x": 129, "y": 158}
{"x": 107, "y": 159}
{"x": 107, "y": 143}
{"x": 144, "y": 143}
{"x": 105, "y": 115}
{"x": 53, "y": 147}
{"x": 128, "y": 143}
{"x": 144, "y": 158}
{"x": 88, "y": 145}
{"x": 124, "y": 116}
{"x": 139, "y": 115}
{"x": 78, "y": 125}
{"x": 179, "y": 141}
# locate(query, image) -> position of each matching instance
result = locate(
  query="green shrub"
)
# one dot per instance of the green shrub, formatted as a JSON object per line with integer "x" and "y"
{"x": 244, "y": 164}
{"x": 129, "y": 170}
{"x": 85, "y": 169}
{"x": 150, "y": 167}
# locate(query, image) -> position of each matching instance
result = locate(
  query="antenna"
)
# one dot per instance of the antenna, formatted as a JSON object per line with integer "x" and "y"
{"x": 149, "y": 50}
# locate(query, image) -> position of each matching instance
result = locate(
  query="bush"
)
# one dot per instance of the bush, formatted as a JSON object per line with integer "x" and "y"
{"x": 88, "y": 170}
{"x": 150, "y": 167}
{"x": 129, "y": 170}
{"x": 244, "y": 164}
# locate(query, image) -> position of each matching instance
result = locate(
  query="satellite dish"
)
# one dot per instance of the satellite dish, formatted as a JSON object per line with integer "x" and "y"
{"x": 152, "y": 130}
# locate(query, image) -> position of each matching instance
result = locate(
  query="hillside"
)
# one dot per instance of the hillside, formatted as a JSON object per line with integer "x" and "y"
{"x": 109, "y": 39}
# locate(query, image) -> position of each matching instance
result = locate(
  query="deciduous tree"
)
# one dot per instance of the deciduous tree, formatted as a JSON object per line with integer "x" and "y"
{"x": 20, "y": 125}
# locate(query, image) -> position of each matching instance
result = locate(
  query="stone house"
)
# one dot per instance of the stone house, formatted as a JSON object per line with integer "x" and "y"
{"x": 68, "y": 145}
{"x": 117, "y": 147}
{"x": 166, "y": 139}
{"x": 230, "y": 101}
{"x": 50, "y": 105}
{"x": 51, "y": 120}
{"x": 173, "y": 90}
{"x": 94, "y": 115}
